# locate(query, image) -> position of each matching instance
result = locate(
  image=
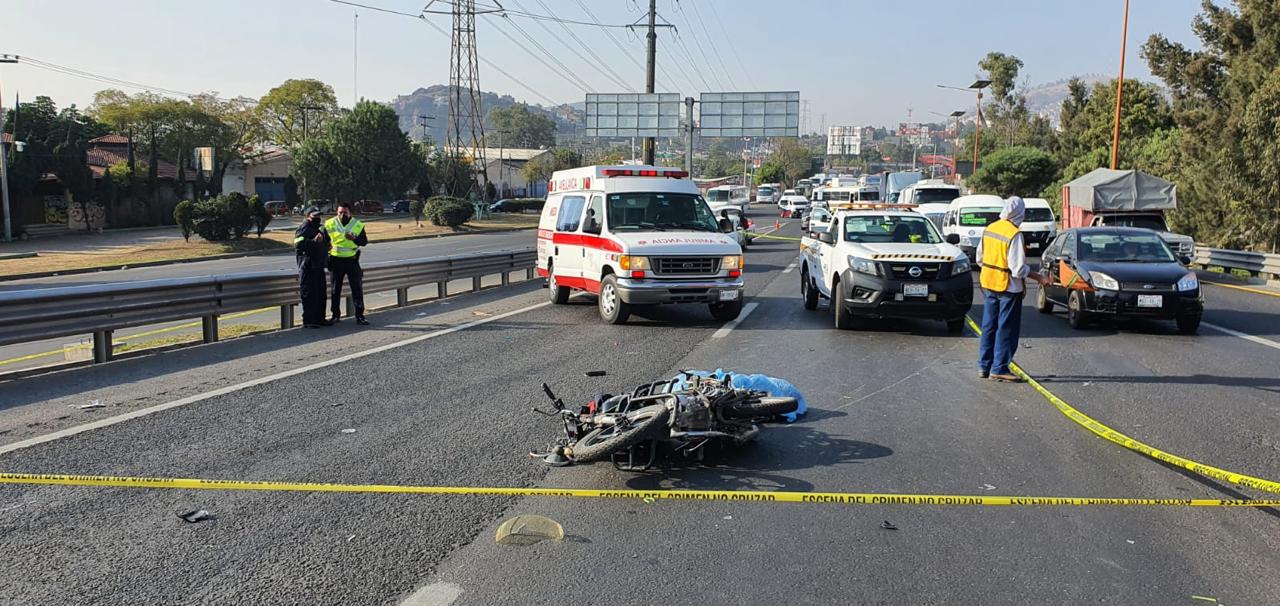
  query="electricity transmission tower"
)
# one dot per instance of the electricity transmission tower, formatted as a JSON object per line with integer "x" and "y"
{"x": 466, "y": 125}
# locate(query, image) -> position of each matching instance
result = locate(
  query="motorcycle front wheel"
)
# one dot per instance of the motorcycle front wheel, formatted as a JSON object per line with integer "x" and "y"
{"x": 597, "y": 444}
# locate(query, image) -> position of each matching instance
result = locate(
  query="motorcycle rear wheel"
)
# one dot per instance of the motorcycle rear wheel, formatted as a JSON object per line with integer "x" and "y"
{"x": 766, "y": 407}
{"x": 598, "y": 444}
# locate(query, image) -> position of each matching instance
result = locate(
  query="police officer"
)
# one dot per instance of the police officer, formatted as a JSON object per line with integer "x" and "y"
{"x": 346, "y": 236}
{"x": 311, "y": 245}
{"x": 1004, "y": 266}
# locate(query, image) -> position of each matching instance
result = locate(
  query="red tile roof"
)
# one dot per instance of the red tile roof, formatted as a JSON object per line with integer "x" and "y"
{"x": 111, "y": 139}
{"x": 99, "y": 159}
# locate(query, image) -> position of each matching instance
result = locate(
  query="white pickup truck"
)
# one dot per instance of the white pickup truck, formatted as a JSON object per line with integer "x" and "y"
{"x": 885, "y": 261}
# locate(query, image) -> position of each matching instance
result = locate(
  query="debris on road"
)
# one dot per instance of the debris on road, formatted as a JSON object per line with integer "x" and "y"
{"x": 348, "y": 431}
{"x": 988, "y": 487}
{"x": 596, "y": 373}
{"x": 91, "y": 405}
{"x": 1204, "y": 599}
{"x": 195, "y": 516}
{"x": 527, "y": 529}
{"x": 887, "y": 525}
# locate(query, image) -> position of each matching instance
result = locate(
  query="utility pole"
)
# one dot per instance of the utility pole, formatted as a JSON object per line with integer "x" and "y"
{"x": 355, "y": 59}
{"x": 688, "y": 137}
{"x": 4, "y": 162}
{"x": 1115, "y": 136}
{"x": 422, "y": 121}
{"x": 650, "y": 65}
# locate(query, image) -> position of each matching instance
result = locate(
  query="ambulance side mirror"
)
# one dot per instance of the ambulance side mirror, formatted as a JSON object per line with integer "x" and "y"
{"x": 953, "y": 239}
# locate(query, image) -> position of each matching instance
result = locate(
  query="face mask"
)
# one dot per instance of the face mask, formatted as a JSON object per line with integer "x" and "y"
{"x": 315, "y": 220}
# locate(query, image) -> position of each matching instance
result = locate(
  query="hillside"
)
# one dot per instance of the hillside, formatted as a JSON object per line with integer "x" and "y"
{"x": 433, "y": 101}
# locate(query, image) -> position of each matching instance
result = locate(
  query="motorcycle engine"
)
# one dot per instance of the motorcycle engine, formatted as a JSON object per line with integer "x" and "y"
{"x": 692, "y": 413}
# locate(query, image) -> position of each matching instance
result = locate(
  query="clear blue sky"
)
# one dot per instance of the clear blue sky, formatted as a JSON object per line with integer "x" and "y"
{"x": 857, "y": 61}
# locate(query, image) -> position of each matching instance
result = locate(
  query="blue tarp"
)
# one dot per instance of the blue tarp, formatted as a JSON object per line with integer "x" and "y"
{"x": 775, "y": 387}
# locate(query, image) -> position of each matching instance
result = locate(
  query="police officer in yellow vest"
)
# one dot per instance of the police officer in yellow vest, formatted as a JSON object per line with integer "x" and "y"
{"x": 1004, "y": 267}
{"x": 346, "y": 236}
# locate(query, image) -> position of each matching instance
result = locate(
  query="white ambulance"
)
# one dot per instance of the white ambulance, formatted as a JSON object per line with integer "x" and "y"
{"x": 636, "y": 235}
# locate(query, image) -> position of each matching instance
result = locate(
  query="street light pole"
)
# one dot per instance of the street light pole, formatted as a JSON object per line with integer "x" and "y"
{"x": 4, "y": 162}
{"x": 1115, "y": 135}
{"x": 977, "y": 85}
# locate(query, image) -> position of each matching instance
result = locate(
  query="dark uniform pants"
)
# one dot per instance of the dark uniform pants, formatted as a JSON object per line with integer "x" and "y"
{"x": 311, "y": 285}
{"x": 348, "y": 267}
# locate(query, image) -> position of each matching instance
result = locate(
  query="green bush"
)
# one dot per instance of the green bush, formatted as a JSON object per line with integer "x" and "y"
{"x": 448, "y": 211}
{"x": 184, "y": 216}
{"x": 223, "y": 218}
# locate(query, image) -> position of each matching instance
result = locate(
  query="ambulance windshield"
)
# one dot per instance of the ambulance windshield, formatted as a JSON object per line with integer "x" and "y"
{"x": 644, "y": 211}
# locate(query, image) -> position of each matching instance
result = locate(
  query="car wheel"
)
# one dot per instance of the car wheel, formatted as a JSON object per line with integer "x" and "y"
{"x": 808, "y": 290}
{"x": 1188, "y": 324}
{"x": 1043, "y": 304}
{"x": 559, "y": 294}
{"x": 843, "y": 321}
{"x": 612, "y": 308}
{"x": 1076, "y": 315}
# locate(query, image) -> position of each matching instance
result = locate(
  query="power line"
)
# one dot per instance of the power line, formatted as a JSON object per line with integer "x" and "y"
{"x": 733, "y": 49}
{"x": 70, "y": 71}
{"x": 693, "y": 64}
{"x": 702, "y": 52}
{"x": 495, "y": 66}
{"x": 703, "y": 24}
{"x": 563, "y": 72}
{"x": 599, "y": 65}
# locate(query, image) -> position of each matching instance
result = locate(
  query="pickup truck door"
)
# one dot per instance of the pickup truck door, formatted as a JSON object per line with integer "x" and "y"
{"x": 826, "y": 258}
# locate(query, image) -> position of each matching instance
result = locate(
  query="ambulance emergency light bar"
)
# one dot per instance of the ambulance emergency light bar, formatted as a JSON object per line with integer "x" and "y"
{"x": 622, "y": 115}
{"x": 762, "y": 114}
{"x": 575, "y": 183}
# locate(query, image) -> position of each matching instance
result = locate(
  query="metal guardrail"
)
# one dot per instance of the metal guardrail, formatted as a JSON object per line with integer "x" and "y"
{"x": 101, "y": 309}
{"x": 1257, "y": 264}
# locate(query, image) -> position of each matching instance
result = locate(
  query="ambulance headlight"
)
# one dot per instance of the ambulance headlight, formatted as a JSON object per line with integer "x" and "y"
{"x": 731, "y": 262}
{"x": 629, "y": 263}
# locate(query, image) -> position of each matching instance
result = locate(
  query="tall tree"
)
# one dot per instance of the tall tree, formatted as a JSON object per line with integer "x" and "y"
{"x": 793, "y": 158}
{"x": 516, "y": 126}
{"x": 541, "y": 167}
{"x": 281, "y": 111}
{"x": 1225, "y": 103}
{"x": 362, "y": 154}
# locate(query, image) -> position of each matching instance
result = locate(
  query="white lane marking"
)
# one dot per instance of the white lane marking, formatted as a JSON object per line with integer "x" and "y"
{"x": 792, "y": 267}
{"x": 78, "y": 429}
{"x": 728, "y": 328}
{"x": 1245, "y": 336}
{"x": 435, "y": 594}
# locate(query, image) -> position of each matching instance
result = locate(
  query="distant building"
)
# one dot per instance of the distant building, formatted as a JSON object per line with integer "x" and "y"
{"x": 264, "y": 172}
{"x": 505, "y": 168}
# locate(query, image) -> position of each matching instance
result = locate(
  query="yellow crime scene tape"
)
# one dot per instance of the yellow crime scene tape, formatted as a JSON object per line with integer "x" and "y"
{"x": 1112, "y": 435}
{"x": 834, "y": 498}
{"x": 1257, "y": 291}
{"x": 773, "y": 237}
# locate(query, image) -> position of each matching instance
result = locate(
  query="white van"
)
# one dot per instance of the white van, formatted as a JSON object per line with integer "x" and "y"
{"x": 931, "y": 197}
{"x": 1039, "y": 226}
{"x": 968, "y": 216}
{"x": 723, "y": 196}
{"x": 636, "y": 235}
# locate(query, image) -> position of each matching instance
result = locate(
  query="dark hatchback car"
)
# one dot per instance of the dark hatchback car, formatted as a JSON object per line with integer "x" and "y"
{"x": 1119, "y": 272}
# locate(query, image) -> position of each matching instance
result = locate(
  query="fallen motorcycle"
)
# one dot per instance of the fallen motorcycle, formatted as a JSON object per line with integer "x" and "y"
{"x": 688, "y": 412}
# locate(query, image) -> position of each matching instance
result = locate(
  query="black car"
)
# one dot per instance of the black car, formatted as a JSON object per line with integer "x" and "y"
{"x": 399, "y": 206}
{"x": 506, "y": 205}
{"x": 1119, "y": 272}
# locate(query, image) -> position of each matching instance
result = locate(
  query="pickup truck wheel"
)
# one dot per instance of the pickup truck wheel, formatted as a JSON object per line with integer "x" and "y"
{"x": 612, "y": 308}
{"x": 559, "y": 294}
{"x": 1188, "y": 324}
{"x": 1043, "y": 304}
{"x": 1076, "y": 315}
{"x": 808, "y": 291}
{"x": 843, "y": 320}
{"x": 725, "y": 312}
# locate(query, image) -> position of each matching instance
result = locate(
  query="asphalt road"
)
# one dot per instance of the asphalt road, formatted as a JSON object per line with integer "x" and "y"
{"x": 894, "y": 407}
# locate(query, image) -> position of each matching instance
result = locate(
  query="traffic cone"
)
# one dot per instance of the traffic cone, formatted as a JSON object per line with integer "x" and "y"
{"x": 777, "y": 224}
